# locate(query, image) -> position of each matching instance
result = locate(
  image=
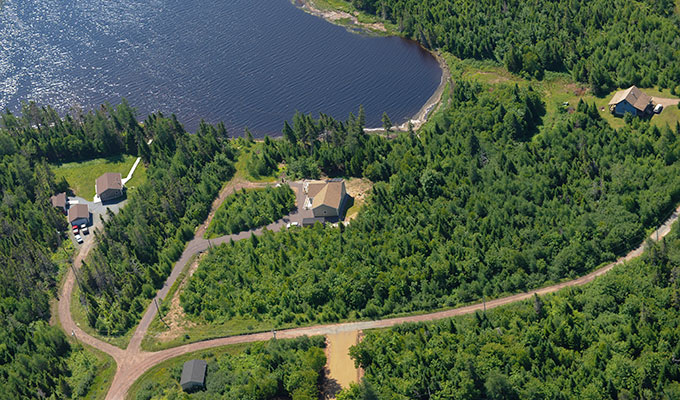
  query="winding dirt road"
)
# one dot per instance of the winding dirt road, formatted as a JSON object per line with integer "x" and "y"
{"x": 133, "y": 362}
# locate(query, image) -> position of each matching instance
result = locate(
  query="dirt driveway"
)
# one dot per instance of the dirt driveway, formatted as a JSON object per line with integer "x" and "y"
{"x": 664, "y": 101}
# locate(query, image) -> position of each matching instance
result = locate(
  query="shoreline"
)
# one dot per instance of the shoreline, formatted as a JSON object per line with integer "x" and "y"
{"x": 340, "y": 18}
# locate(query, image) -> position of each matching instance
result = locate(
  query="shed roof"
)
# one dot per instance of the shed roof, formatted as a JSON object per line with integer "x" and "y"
{"x": 110, "y": 180}
{"x": 312, "y": 220}
{"x": 78, "y": 211}
{"x": 634, "y": 96}
{"x": 59, "y": 200}
{"x": 330, "y": 195}
{"x": 193, "y": 372}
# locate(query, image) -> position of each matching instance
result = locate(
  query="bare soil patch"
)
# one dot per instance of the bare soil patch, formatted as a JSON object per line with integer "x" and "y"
{"x": 175, "y": 318}
{"x": 359, "y": 190}
{"x": 339, "y": 17}
{"x": 665, "y": 101}
{"x": 577, "y": 89}
{"x": 340, "y": 369}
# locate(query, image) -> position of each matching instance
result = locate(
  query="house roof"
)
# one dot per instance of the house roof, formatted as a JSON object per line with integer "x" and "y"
{"x": 59, "y": 200}
{"x": 313, "y": 188}
{"x": 193, "y": 371}
{"x": 330, "y": 195}
{"x": 110, "y": 180}
{"x": 78, "y": 211}
{"x": 634, "y": 96}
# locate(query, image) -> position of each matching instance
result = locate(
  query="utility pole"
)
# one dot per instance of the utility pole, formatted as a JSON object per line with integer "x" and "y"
{"x": 80, "y": 286}
{"x": 160, "y": 316}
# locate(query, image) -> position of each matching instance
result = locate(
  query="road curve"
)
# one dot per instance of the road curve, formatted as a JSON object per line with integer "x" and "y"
{"x": 133, "y": 362}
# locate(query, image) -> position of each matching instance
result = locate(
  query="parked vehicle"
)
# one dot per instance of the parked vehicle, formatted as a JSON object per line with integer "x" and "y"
{"x": 84, "y": 230}
{"x": 292, "y": 224}
{"x": 658, "y": 108}
{"x": 79, "y": 239}
{"x": 75, "y": 229}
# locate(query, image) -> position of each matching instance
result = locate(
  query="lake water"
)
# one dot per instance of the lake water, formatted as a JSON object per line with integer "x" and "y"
{"x": 245, "y": 62}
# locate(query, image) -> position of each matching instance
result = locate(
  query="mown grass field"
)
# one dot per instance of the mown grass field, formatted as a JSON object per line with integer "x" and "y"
{"x": 81, "y": 176}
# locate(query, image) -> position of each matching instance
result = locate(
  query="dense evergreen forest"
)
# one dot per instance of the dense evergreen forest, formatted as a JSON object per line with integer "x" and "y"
{"x": 249, "y": 209}
{"x": 36, "y": 360}
{"x": 617, "y": 338}
{"x": 278, "y": 369}
{"x": 606, "y": 43}
{"x": 480, "y": 204}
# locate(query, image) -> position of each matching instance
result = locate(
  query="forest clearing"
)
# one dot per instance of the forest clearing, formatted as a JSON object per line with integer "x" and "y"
{"x": 340, "y": 369}
{"x": 81, "y": 175}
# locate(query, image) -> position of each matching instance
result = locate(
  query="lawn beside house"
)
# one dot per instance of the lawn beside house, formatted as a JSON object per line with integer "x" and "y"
{"x": 556, "y": 90}
{"x": 81, "y": 175}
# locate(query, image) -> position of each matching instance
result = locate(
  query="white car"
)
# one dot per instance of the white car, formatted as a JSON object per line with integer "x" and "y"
{"x": 292, "y": 224}
{"x": 79, "y": 239}
{"x": 658, "y": 108}
{"x": 84, "y": 230}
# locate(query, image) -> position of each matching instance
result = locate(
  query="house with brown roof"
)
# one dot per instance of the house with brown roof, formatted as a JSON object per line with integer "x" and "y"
{"x": 79, "y": 214}
{"x": 109, "y": 186}
{"x": 59, "y": 201}
{"x": 326, "y": 199}
{"x": 631, "y": 101}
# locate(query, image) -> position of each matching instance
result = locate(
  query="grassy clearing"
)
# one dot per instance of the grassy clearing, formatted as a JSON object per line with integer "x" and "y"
{"x": 333, "y": 5}
{"x": 556, "y": 88}
{"x": 246, "y": 150}
{"x": 106, "y": 370}
{"x": 361, "y": 17}
{"x": 81, "y": 176}
{"x": 149, "y": 342}
{"x": 138, "y": 178}
{"x": 162, "y": 374}
{"x": 79, "y": 315}
{"x": 204, "y": 331}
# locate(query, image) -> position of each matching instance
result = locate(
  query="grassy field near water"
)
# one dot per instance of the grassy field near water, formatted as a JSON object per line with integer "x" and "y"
{"x": 81, "y": 176}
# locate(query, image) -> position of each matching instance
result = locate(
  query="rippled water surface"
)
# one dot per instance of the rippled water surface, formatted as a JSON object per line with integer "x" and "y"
{"x": 245, "y": 62}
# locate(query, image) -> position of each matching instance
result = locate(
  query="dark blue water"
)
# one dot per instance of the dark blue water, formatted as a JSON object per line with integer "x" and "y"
{"x": 245, "y": 62}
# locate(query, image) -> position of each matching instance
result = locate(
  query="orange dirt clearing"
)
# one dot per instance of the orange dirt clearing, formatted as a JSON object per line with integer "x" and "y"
{"x": 340, "y": 369}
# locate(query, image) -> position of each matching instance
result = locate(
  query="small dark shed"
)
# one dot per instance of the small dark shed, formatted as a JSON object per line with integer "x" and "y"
{"x": 193, "y": 375}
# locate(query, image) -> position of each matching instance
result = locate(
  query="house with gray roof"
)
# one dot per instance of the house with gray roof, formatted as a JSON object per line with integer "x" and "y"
{"x": 193, "y": 375}
{"x": 631, "y": 101}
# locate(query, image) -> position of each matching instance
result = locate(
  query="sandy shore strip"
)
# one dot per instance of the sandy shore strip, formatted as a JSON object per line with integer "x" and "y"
{"x": 341, "y": 18}
{"x": 338, "y": 17}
